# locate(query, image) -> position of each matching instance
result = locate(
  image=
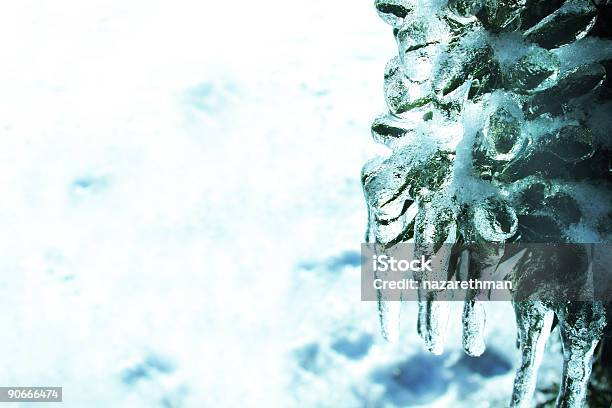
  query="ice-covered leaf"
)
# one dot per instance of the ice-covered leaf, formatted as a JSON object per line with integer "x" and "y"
{"x": 571, "y": 85}
{"x": 466, "y": 8}
{"x": 394, "y": 12}
{"x": 404, "y": 93}
{"x": 529, "y": 71}
{"x": 499, "y": 15}
{"x": 571, "y": 22}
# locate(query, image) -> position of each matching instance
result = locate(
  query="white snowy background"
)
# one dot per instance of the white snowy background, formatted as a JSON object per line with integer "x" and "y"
{"x": 181, "y": 213}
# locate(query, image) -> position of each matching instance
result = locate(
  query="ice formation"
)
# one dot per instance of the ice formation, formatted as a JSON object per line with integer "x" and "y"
{"x": 500, "y": 130}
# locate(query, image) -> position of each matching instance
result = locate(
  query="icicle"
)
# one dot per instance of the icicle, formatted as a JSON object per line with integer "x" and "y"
{"x": 389, "y": 315}
{"x": 432, "y": 324}
{"x": 473, "y": 328}
{"x": 581, "y": 327}
{"x": 534, "y": 321}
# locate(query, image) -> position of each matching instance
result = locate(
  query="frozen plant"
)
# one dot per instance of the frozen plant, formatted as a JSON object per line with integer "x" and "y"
{"x": 500, "y": 131}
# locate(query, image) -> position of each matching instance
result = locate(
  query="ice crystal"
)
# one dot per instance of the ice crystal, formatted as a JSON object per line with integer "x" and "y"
{"x": 499, "y": 123}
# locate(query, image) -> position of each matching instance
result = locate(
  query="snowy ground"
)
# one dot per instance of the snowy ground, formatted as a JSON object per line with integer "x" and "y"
{"x": 181, "y": 210}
